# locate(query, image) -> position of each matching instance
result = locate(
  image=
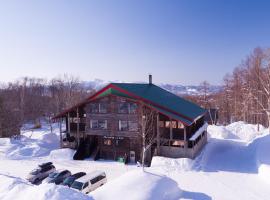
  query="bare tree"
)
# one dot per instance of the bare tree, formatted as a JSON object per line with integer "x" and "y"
{"x": 148, "y": 131}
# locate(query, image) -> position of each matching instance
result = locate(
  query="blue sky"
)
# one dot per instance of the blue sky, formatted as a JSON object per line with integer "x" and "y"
{"x": 183, "y": 42}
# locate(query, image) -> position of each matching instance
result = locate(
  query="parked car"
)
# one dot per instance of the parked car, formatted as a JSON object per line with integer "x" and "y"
{"x": 69, "y": 180}
{"x": 90, "y": 182}
{"x": 57, "y": 177}
{"x": 41, "y": 172}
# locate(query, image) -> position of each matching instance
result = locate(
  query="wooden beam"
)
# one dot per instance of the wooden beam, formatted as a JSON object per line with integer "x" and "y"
{"x": 185, "y": 139}
{"x": 61, "y": 136}
{"x": 171, "y": 133}
{"x": 68, "y": 123}
{"x": 158, "y": 136}
{"x": 78, "y": 127}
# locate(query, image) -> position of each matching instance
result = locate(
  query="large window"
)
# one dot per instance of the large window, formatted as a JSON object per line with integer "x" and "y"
{"x": 103, "y": 107}
{"x": 94, "y": 107}
{"x": 99, "y": 107}
{"x": 125, "y": 125}
{"x": 125, "y": 107}
{"x": 98, "y": 124}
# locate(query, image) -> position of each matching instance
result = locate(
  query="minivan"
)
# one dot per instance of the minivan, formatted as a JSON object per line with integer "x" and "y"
{"x": 90, "y": 182}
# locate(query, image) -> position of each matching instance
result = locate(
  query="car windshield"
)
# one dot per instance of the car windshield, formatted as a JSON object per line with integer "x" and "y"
{"x": 69, "y": 181}
{"x": 53, "y": 175}
{"x": 77, "y": 185}
{"x": 35, "y": 172}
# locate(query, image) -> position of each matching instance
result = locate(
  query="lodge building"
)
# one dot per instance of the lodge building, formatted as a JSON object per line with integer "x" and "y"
{"x": 122, "y": 118}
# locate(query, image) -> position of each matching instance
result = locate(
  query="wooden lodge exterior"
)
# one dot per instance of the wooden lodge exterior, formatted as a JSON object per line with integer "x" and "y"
{"x": 114, "y": 124}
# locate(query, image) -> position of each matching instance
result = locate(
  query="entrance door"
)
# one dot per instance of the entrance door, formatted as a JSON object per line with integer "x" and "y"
{"x": 132, "y": 156}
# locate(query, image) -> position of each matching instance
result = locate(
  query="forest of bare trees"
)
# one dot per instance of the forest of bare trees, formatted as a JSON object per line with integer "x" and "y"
{"x": 33, "y": 99}
{"x": 245, "y": 95}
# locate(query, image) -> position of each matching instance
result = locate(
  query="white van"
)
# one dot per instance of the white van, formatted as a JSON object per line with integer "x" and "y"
{"x": 90, "y": 182}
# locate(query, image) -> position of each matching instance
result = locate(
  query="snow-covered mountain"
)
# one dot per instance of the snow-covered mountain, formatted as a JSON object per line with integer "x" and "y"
{"x": 178, "y": 89}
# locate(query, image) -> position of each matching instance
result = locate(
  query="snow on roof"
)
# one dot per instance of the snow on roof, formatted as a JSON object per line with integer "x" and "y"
{"x": 199, "y": 132}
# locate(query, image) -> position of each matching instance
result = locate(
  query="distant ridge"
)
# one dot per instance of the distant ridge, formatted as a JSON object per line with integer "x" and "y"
{"x": 178, "y": 89}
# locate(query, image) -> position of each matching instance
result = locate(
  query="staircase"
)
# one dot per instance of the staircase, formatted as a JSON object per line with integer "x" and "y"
{"x": 95, "y": 154}
{"x": 81, "y": 152}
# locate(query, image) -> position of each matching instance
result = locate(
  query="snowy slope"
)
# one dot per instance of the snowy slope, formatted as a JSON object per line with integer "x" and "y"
{"x": 235, "y": 164}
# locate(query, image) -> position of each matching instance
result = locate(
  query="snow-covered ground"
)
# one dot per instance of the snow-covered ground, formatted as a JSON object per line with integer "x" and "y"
{"x": 235, "y": 164}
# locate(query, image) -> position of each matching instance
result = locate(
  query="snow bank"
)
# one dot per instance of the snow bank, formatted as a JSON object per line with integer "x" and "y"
{"x": 237, "y": 130}
{"x": 261, "y": 146}
{"x": 246, "y": 132}
{"x": 172, "y": 164}
{"x": 31, "y": 144}
{"x": 62, "y": 154}
{"x": 139, "y": 185}
{"x": 16, "y": 188}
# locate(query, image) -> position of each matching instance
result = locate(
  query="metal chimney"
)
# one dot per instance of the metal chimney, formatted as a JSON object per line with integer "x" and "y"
{"x": 150, "y": 79}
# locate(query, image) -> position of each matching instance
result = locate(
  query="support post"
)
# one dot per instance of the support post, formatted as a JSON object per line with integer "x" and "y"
{"x": 78, "y": 126}
{"x": 158, "y": 136}
{"x": 185, "y": 140}
{"x": 68, "y": 123}
{"x": 170, "y": 132}
{"x": 61, "y": 136}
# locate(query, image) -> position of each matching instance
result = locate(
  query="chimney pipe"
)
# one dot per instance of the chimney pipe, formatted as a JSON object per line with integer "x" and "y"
{"x": 150, "y": 79}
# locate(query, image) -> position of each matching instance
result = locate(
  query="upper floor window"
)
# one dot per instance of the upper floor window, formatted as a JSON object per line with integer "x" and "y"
{"x": 103, "y": 107}
{"x": 98, "y": 124}
{"x": 125, "y": 108}
{"x": 132, "y": 108}
{"x": 99, "y": 107}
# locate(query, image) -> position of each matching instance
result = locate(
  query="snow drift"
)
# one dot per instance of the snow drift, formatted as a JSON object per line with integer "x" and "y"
{"x": 30, "y": 145}
{"x": 62, "y": 154}
{"x": 237, "y": 130}
{"x": 169, "y": 164}
{"x": 139, "y": 185}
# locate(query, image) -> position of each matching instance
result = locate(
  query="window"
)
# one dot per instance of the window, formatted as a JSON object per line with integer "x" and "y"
{"x": 94, "y": 180}
{"x": 174, "y": 124}
{"x": 94, "y": 107}
{"x": 132, "y": 108}
{"x": 85, "y": 185}
{"x": 103, "y": 107}
{"x": 128, "y": 125}
{"x": 123, "y": 125}
{"x": 123, "y": 107}
{"x": 98, "y": 107}
{"x": 98, "y": 124}
{"x": 180, "y": 125}
{"x": 167, "y": 124}
{"x": 132, "y": 126}
{"x": 107, "y": 142}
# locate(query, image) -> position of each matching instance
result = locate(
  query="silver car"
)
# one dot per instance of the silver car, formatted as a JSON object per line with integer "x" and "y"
{"x": 40, "y": 173}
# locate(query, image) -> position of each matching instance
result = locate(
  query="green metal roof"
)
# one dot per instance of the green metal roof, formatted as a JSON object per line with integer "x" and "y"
{"x": 167, "y": 100}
